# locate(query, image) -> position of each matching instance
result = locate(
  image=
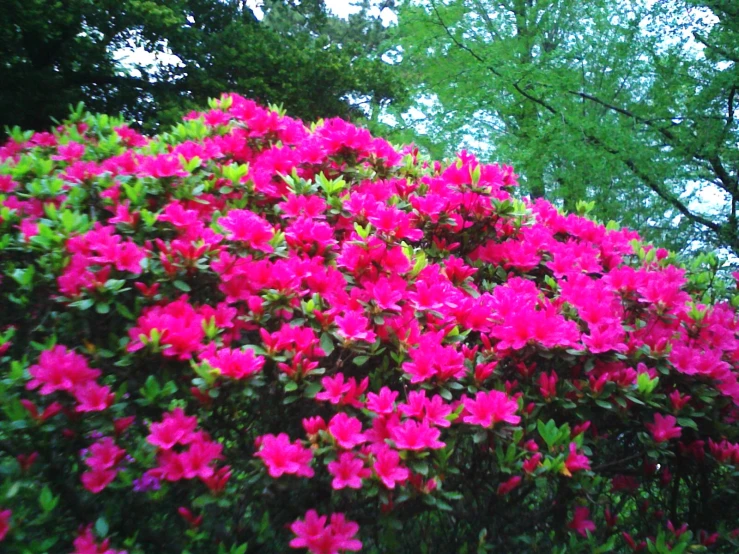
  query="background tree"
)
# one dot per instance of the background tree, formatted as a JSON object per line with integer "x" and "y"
{"x": 298, "y": 55}
{"x": 610, "y": 101}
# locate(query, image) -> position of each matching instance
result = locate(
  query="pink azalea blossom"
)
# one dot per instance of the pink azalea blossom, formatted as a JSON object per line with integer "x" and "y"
{"x": 104, "y": 454}
{"x": 96, "y": 480}
{"x": 353, "y": 326}
{"x": 348, "y": 471}
{"x": 336, "y": 537}
{"x": 247, "y": 227}
{"x": 283, "y": 457}
{"x": 5, "y": 516}
{"x": 488, "y": 408}
{"x": 412, "y": 435}
{"x": 347, "y": 431}
{"x": 236, "y": 364}
{"x": 575, "y": 461}
{"x": 388, "y": 469}
{"x": 175, "y": 428}
{"x": 92, "y": 397}
{"x": 580, "y": 522}
{"x": 664, "y": 428}
{"x": 60, "y": 369}
{"x": 85, "y": 543}
{"x": 382, "y": 403}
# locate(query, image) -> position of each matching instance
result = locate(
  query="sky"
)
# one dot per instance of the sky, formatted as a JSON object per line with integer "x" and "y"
{"x": 341, "y": 8}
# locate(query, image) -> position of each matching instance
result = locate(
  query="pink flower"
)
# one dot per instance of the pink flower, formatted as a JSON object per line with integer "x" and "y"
{"x": 85, "y": 543}
{"x": 179, "y": 325}
{"x": 281, "y": 456}
{"x": 353, "y": 326}
{"x": 412, "y": 435}
{"x": 313, "y": 425}
{"x": 530, "y": 465}
{"x": 507, "y": 486}
{"x": 548, "y": 385}
{"x": 246, "y": 226}
{"x": 161, "y": 166}
{"x": 575, "y": 461}
{"x": 98, "y": 479}
{"x": 348, "y": 471}
{"x": 580, "y": 522}
{"x": 29, "y": 229}
{"x": 69, "y": 152}
{"x": 489, "y": 408}
{"x": 236, "y": 364}
{"x": 128, "y": 257}
{"x": 664, "y": 428}
{"x": 346, "y": 430}
{"x": 197, "y": 459}
{"x": 313, "y": 533}
{"x": 415, "y": 405}
{"x": 386, "y": 293}
{"x": 175, "y": 428}
{"x": 60, "y": 369}
{"x": 7, "y": 184}
{"x": 4, "y": 523}
{"x": 678, "y": 401}
{"x": 93, "y": 397}
{"x": 334, "y": 389}
{"x": 104, "y": 454}
{"x": 436, "y": 411}
{"x": 388, "y": 469}
{"x": 383, "y": 403}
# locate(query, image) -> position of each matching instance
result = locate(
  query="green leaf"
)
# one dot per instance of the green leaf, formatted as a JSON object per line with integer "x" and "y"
{"x": 687, "y": 422}
{"x": 101, "y": 527}
{"x": 312, "y": 389}
{"x": 181, "y": 285}
{"x": 327, "y": 343}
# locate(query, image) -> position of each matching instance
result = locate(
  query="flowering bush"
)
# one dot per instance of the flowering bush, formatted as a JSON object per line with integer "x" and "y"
{"x": 246, "y": 335}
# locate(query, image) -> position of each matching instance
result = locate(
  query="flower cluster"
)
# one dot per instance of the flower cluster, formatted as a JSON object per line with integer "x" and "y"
{"x": 212, "y": 336}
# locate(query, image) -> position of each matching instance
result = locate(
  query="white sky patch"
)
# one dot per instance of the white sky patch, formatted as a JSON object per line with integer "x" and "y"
{"x": 340, "y": 8}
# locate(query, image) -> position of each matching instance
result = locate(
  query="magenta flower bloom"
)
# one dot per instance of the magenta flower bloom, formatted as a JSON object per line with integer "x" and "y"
{"x": 580, "y": 522}
{"x": 334, "y": 389}
{"x": 93, "y": 397}
{"x": 175, "y": 428}
{"x": 412, "y": 435}
{"x": 4, "y": 523}
{"x": 488, "y": 408}
{"x": 383, "y": 403}
{"x": 247, "y": 227}
{"x": 575, "y": 461}
{"x": 336, "y": 537}
{"x": 60, "y": 369}
{"x": 664, "y": 428}
{"x": 98, "y": 479}
{"x": 236, "y": 364}
{"x": 281, "y": 456}
{"x": 348, "y": 471}
{"x": 104, "y": 454}
{"x": 388, "y": 469}
{"x": 353, "y": 326}
{"x": 346, "y": 430}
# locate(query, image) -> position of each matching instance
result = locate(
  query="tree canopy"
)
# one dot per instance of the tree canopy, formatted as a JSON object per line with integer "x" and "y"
{"x": 298, "y": 55}
{"x": 629, "y": 104}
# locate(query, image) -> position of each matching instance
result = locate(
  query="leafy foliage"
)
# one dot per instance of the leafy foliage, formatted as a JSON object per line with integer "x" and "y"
{"x": 314, "y": 64}
{"x": 606, "y": 101}
{"x": 244, "y": 334}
